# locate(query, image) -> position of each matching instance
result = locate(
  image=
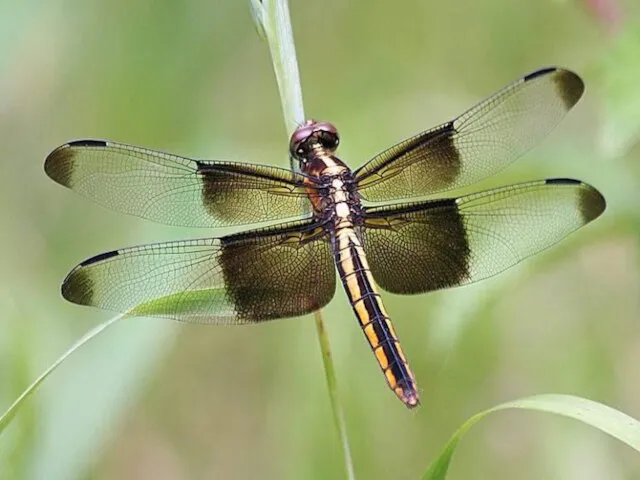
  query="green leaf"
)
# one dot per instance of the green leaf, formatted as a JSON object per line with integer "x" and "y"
{"x": 13, "y": 409}
{"x": 607, "y": 419}
{"x": 197, "y": 302}
{"x": 273, "y": 22}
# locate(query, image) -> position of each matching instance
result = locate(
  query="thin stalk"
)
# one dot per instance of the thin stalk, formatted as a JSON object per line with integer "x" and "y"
{"x": 338, "y": 417}
{"x": 274, "y": 24}
{"x": 15, "y": 406}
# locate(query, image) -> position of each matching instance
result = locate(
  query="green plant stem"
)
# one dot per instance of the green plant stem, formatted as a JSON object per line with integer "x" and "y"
{"x": 338, "y": 417}
{"x": 13, "y": 409}
{"x": 272, "y": 17}
{"x": 274, "y": 23}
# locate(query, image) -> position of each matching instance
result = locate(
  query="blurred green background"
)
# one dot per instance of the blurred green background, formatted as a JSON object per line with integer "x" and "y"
{"x": 151, "y": 399}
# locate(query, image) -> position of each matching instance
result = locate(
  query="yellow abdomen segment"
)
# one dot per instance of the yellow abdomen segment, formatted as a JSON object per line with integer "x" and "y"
{"x": 374, "y": 321}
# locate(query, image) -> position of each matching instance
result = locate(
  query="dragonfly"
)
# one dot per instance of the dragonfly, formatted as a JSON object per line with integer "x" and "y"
{"x": 369, "y": 224}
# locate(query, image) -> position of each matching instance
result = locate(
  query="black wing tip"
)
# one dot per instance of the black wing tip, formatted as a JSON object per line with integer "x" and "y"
{"x": 563, "y": 181}
{"x": 99, "y": 258}
{"x": 78, "y": 286}
{"x": 59, "y": 164}
{"x": 569, "y": 85}
{"x": 591, "y": 202}
{"x": 87, "y": 143}
{"x": 547, "y": 71}
{"x": 539, "y": 73}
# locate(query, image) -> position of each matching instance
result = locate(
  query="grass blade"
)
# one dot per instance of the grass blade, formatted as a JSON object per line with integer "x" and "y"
{"x": 274, "y": 24}
{"x": 338, "y": 417}
{"x": 13, "y": 409}
{"x": 607, "y": 419}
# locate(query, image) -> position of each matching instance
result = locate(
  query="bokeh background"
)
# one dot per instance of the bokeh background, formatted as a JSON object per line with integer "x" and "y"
{"x": 152, "y": 399}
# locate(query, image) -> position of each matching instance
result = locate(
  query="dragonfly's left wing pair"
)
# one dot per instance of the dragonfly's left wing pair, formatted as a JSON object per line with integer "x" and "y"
{"x": 270, "y": 273}
{"x": 287, "y": 270}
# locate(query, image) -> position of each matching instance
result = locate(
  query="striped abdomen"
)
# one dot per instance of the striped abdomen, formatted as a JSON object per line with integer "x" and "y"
{"x": 367, "y": 305}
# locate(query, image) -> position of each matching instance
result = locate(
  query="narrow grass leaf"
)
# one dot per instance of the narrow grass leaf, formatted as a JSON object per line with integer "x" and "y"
{"x": 602, "y": 417}
{"x": 15, "y": 407}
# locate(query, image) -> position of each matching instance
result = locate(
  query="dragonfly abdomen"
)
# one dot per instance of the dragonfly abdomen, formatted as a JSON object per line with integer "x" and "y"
{"x": 374, "y": 321}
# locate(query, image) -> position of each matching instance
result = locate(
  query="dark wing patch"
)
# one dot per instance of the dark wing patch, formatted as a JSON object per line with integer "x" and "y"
{"x": 413, "y": 251}
{"x": 477, "y": 144}
{"x": 424, "y": 246}
{"x": 284, "y": 271}
{"x": 176, "y": 190}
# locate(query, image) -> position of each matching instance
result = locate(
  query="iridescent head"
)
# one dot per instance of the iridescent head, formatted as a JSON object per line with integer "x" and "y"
{"x": 311, "y": 134}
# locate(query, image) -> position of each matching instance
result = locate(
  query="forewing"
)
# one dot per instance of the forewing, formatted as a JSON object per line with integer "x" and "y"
{"x": 176, "y": 190}
{"x": 477, "y": 144}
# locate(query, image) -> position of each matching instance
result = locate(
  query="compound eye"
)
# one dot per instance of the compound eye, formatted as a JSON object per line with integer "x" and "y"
{"x": 329, "y": 140}
{"x": 301, "y": 150}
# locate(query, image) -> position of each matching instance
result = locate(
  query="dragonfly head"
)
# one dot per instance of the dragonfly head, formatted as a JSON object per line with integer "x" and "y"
{"x": 310, "y": 135}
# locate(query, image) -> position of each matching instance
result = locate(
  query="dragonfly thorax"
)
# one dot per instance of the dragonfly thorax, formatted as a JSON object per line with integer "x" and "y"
{"x": 337, "y": 201}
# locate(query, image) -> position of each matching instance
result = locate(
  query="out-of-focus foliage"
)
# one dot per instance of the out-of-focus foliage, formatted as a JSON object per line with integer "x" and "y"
{"x": 151, "y": 399}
